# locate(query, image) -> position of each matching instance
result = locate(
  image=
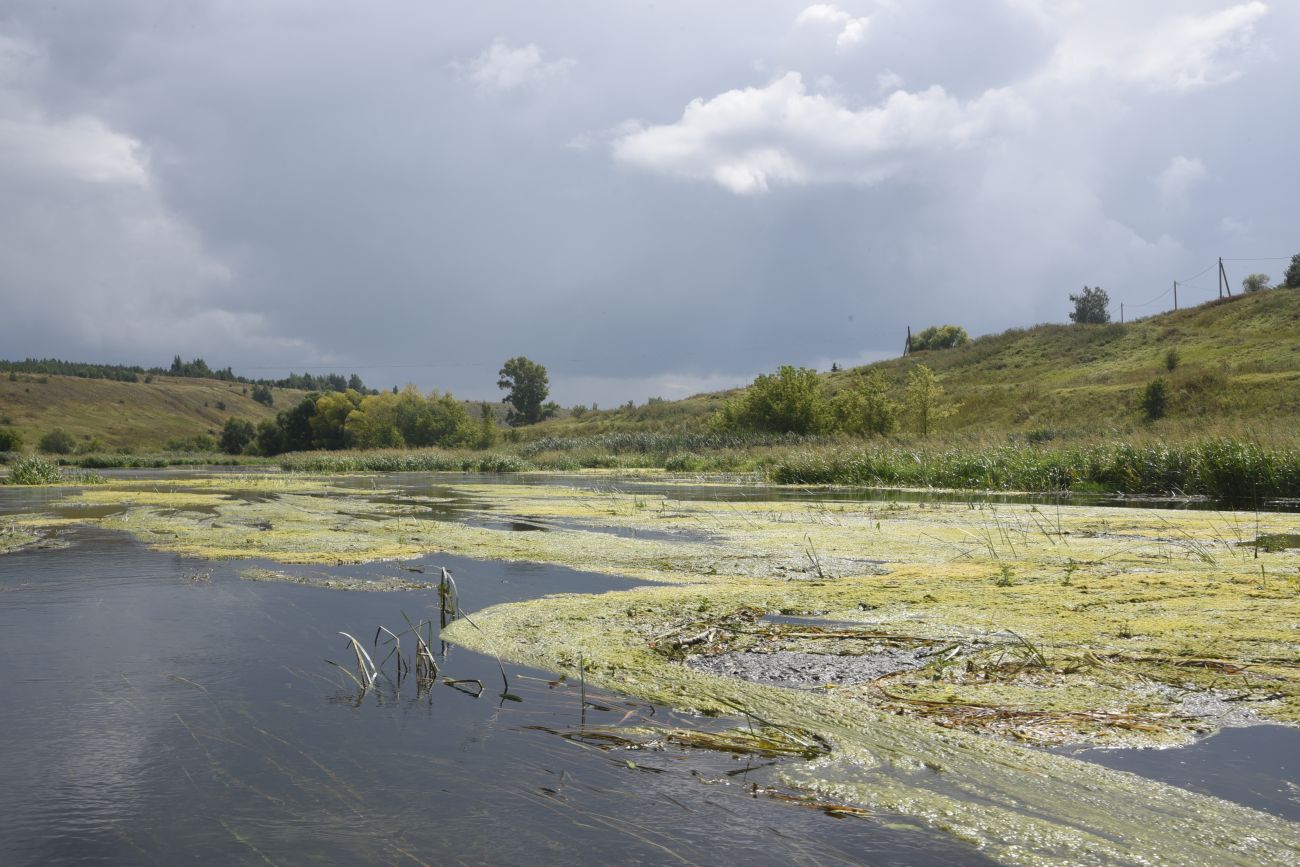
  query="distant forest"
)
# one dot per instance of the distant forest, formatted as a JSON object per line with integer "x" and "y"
{"x": 198, "y": 368}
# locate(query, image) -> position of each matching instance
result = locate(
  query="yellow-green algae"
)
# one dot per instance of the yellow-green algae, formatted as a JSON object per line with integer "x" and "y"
{"x": 1107, "y": 602}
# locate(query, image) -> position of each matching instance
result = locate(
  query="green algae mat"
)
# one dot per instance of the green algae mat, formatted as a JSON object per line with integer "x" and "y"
{"x": 1016, "y": 624}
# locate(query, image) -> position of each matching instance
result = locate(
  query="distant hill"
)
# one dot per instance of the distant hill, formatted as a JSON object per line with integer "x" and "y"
{"x": 141, "y": 415}
{"x": 1238, "y": 366}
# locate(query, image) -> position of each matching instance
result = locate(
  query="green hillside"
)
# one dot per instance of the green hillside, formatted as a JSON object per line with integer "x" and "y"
{"x": 1238, "y": 368}
{"x": 139, "y": 415}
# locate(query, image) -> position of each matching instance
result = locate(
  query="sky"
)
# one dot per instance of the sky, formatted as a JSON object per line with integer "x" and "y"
{"x": 650, "y": 199}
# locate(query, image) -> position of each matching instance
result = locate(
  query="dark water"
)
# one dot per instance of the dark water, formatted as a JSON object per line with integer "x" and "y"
{"x": 157, "y": 709}
{"x": 1258, "y": 766}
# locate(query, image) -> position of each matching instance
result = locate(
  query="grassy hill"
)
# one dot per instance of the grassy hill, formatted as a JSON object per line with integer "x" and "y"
{"x": 1238, "y": 369}
{"x": 139, "y": 415}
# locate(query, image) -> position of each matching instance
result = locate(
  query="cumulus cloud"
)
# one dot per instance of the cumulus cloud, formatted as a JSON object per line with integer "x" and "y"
{"x": 748, "y": 140}
{"x": 1159, "y": 51}
{"x": 1176, "y": 181}
{"x": 851, "y": 29}
{"x": 89, "y": 251}
{"x": 501, "y": 67}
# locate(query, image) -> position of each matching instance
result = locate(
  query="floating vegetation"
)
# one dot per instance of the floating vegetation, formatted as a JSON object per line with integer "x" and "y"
{"x": 1040, "y": 623}
{"x": 335, "y": 582}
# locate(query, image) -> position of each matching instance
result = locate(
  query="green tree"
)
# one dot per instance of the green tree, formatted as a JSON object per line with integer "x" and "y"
{"x": 1091, "y": 306}
{"x": 1292, "y": 278}
{"x": 487, "y": 427}
{"x": 866, "y": 408}
{"x": 57, "y": 442}
{"x": 1155, "y": 399}
{"x": 10, "y": 440}
{"x": 262, "y": 394}
{"x": 528, "y": 386}
{"x": 792, "y": 400}
{"x": 1255, "y": 283}
{"x": 926, "y": 403}
{"x": 236, "y": 435}
{"x": 327, "y": 424}
{"x": 940, "y": 337}
{"x": 270, "y": 437}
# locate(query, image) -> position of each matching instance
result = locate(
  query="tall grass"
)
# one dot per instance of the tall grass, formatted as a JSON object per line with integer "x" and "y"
{"x": 1236, "y": 470}
{"x": 655, "y": 442}
{"x": 397, "y": 461}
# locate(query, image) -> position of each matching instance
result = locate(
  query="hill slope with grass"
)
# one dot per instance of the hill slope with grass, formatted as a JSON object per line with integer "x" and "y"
{"x": 1235, "y": 368}
{"x": 137, "y": 415}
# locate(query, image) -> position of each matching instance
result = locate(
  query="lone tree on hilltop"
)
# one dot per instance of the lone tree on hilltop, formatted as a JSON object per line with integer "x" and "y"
{"x": 1255, "y": 283}
{"x": 1292, "y": 278}
{"x": 1090, "y": 306}
{"x": 528, "y": 387}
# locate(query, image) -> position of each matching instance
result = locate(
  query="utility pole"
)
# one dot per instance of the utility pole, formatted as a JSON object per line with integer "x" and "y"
{"x": 1175, "y": 294}
{"x": 1121, "y": 313}
{"x": 907, "y": 348}
{"x": 1223, "y": 280}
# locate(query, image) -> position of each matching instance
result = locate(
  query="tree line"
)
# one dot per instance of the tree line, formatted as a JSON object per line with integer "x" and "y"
{"x": 196, "y": 368}
{"x": 349, "y": 419}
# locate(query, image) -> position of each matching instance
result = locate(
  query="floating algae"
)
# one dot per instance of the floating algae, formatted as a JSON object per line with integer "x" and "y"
{"x": 1051, "y": 624}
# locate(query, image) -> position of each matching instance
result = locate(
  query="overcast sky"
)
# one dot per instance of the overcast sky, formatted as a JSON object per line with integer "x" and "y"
{"x": 648, "y": 198}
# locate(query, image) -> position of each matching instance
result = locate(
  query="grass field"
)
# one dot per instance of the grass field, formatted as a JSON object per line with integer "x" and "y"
{"x": 135, "y": 415}
{"x": 1238, "y": 371}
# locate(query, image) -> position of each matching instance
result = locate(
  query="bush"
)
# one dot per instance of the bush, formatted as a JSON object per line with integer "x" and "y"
{"x": 867, "y": 408}
{"x": 1255, "y": 283}
{"x": 236, "y": 435}
{"x": 196, "y": 443}
{"x": 57, "y": 442}
{"x": 10, "y": 440}
{"x": 1291, "y": 279}
{"x": 940, "y": 337}
{"x": 34, "y": 470}
{"x": 792, "y": 400}
{"x": 1090, "y": 306}
{"x": 1171, "y": 360}
{"x": 262, "y": 394}
{"x": 1155, "y": 399}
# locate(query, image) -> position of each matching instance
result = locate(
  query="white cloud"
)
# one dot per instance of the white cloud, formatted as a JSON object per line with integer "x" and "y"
{"x": 852, "y": 30}
{"x": 1176, "y": 181}
{"x": 750, "y": 139}
{"x": 82, "y": 147}
{"x": 1149, "y": 48}
{"x": 501, "y": 67}
{"x": 888, "y": 81}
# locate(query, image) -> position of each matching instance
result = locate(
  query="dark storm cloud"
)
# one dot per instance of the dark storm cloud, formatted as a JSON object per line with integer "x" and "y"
{"x": 647, "y": 200}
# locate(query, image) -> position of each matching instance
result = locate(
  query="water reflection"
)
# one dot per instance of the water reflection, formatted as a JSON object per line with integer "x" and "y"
{"x": 160, "y": 709}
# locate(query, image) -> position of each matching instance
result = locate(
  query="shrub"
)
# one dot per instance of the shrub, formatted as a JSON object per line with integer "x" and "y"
{"x": 867, "y": 407}
{"x": 1171, "y": 359}
{"x": 34, "y": 470}
{"x": 262, "y": 394}
{"x": 792, "y": 400}
{"x": 1255, "y": 283}
{"x": 196, "y": 443}
{"x": 1155, "y": 399}
{"x": 1090, "y": 306}
{"x": 10, "y": 440}
{"x": 57, "y": 442}
{"x": 236, "y": 435}
{"x": 1292, "y": 278}
{"x": 940, "y": 337}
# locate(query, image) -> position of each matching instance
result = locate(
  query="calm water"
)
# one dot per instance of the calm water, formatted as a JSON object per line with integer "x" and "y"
{"x": 158, "y": 709}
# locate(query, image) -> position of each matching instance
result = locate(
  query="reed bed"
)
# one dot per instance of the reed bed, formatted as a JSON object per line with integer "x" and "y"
{"x": 1236, "y": 470}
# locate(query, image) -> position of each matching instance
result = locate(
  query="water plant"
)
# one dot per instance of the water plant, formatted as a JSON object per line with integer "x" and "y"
{"x": 34, "y": 470}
